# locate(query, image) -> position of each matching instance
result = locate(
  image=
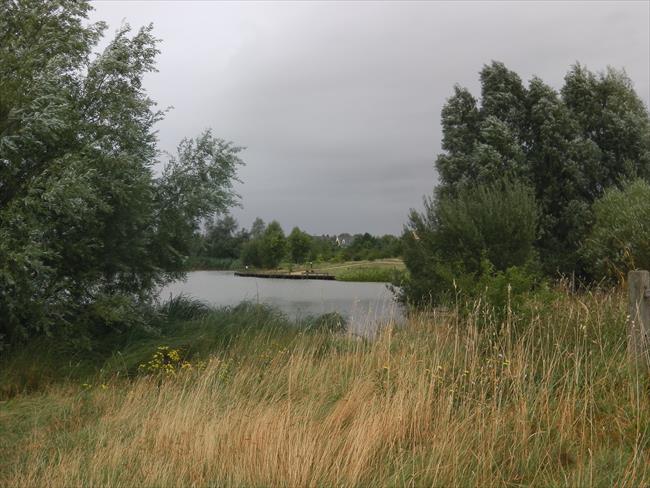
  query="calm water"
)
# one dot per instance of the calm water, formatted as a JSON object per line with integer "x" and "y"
{"x": 364, "y": 304}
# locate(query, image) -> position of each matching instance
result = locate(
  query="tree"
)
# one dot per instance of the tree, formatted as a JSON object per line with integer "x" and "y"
{"x": 251, "y": 253}
{"x": 223, "y": 240}
{"x": 568, "y": 146}
{"x": 363, "y": 246}
{"x": 257, "y": 228}
{"x": 458, "y": 238}
{"x": 299, "y": 245}
{"x": 390, "y": 246}
{"x": 323, "y": 248}
{"x": 618, "y": 241}
{"x": 87, "y": 230}
{"x": 273, "y": 245}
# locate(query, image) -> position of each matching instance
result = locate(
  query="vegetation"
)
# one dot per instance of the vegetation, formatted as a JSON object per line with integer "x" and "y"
{"x": 379, "y": 274}
{"x": 299, "y": 245}
{"x": 223, "y": 239}
{"x": 445, "y": 401}
{"x": 497, "y": 377}
{"x": 618, "y": 240}
{"x": 561, "y": 151}
{"x": 224, "y": 246}
{"x": 484, "y": 229}
{"x": 380, "y": 270}
{"x": 368, "y": 247}
{"x": 273, "y": 245}
{"x": 87, "y": 230}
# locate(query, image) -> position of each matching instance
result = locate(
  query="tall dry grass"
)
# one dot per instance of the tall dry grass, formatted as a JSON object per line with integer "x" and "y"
{"x": 546, "y": 399}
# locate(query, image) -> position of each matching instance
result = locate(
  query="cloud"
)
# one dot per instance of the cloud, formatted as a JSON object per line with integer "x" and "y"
{"x": 339, "y": 104}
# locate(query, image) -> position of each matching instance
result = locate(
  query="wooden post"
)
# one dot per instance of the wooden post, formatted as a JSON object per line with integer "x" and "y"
{"x": 638, "y": 329}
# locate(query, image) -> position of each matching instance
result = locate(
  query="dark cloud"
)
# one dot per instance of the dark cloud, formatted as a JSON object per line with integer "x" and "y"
{"x": 338, "y": 104}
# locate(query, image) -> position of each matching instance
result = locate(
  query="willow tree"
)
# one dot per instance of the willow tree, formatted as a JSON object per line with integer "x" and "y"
{"x": 87, "y": 227}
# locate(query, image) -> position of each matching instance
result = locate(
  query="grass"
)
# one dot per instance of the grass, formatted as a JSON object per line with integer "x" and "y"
{"x": 545, "y": 398}
{"x": 380, "y": 270}
{"x": 364, "y": 274}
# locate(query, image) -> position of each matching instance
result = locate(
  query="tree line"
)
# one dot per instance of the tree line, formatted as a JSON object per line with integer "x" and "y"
{"x": 223, "y": 244}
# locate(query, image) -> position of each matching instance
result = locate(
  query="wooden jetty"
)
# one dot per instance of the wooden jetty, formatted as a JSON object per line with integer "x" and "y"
{"x": 286, "y": 276}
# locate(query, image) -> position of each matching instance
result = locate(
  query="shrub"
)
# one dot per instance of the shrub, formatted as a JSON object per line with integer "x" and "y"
{"x": 182, "y": 307}
{"x": 446, "y": 248}
{"x": 620, "y": 237}
{"x": 327, "y": 322}
{"x": 505, "y": 292}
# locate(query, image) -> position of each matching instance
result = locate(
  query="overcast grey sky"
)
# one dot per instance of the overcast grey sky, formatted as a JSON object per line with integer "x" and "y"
{"x": 338, "y": 104}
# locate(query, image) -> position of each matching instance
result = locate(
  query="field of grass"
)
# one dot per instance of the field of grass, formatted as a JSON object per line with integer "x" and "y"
{"x": 545, "y": 398}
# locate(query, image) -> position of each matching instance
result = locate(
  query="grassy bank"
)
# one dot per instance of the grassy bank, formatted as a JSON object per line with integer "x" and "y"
{"x": 544, "y": 398}
{"x": 380, "y": 270}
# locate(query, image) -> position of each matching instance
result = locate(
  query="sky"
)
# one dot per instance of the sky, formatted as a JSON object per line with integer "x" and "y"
{"x": 338, "y": 104}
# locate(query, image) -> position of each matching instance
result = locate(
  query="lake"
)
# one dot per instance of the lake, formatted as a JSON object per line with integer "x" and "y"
{"x": 365, "y": 305}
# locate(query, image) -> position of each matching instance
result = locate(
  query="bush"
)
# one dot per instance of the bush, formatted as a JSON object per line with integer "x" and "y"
{"x": 446, "y": 248}
{"x": 505, "y": 292}
{"x": 619, "y": 239}
{"x": 182, "y": 307}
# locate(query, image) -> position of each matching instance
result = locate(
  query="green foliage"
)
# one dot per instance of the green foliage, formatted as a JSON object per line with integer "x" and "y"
{"x": 378, "y": 275}
{"x": 505, "y": 291}
{"x": 324, "y": 248}
{"x": 299, "y": 245}
{"x": 369, "y": 247}
{"x": 568, "y": 146}
{"x": 223, "y": 239}
{"x": 273, "y": 245}
{"x": 251, "y": 253}
{"x": 182, "y": 307}
{"x": 362, "y": 247}
{"x": 447, "y": 246}
{"x": 202, "y": 263}
{"x": 83, "y": 220}
{"x": 620, "y": 238}
{"x": 257, "y": 228}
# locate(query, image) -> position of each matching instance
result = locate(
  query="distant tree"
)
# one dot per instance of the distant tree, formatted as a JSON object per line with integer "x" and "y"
{"x": 223, "y": 238}
{"x": 257, "y": 228}
{"x": 251, "y": 253}
{"x": 390, "y": 246}
{"x": 87, "y": 231}
{"x": 273, "y": 245}
{"x": 323, "y": 248}
{"x": 299, "y": 244}
{"x": 363, "y": 246}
